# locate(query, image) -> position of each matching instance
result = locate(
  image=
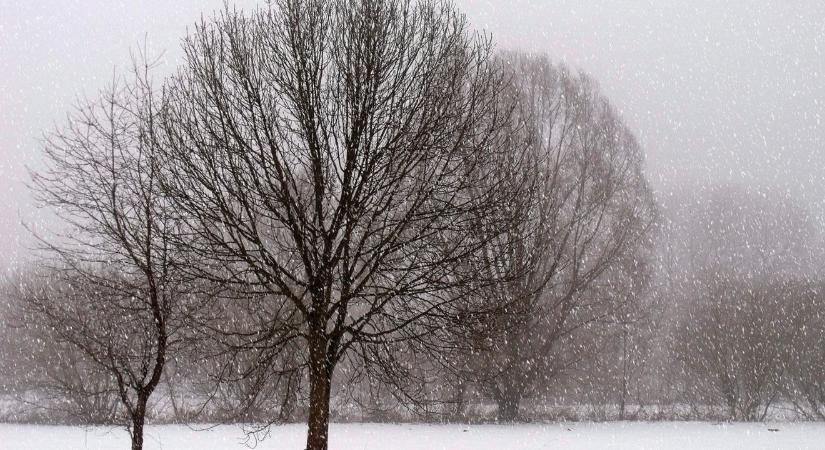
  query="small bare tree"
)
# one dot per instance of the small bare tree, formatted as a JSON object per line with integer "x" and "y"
{"x": 738, "y": 339}
{"x": 48, "y": 379}
{"x": 328, "y": 156}
{"x": 740, "y": 257}
{"x": 115, "y": 291}
{"x": 804, "y": 360}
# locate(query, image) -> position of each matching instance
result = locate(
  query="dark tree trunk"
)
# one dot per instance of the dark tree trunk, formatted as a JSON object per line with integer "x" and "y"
{"x": 508, "y": 409}
{"x": 318, "y": 434}
{"x": 320, "y": 381}
{"x": 508, "y": 400}
{"x": 138, "y": 419}
{"x": 623, "y": 399}
{"x": 139, "y": 414}
{"x": 460, "y": 400}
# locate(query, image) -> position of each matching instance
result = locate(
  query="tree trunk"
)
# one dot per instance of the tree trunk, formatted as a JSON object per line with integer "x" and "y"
{"x": 320, "y": 375}
{"x": 458, "y": 412}
{"x": 138, "y": 419}
{"x": 623, "y": 400}
{"x": 508, "y": 402}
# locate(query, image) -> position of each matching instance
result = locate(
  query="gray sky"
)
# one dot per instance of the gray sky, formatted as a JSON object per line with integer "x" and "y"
{"x": 730, "y": 92}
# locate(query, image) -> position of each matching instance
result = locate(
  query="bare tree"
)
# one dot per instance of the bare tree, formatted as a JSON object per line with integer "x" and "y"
{"x": 737, "y": 340}
{"x": 328, "y": 156}
{"x": 740, "y": 258}
{"x": 580, "y": 228}
{"x": 49, "y": 380}
{"x": 620, "y": 373}
{"x": 804, "y": 361}
{"x": 115, "y": 292}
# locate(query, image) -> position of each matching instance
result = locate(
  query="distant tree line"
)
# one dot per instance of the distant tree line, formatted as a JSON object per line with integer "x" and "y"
{"x": 363, "y": 209}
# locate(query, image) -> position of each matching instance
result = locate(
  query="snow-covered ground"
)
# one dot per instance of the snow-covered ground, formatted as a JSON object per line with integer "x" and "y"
{"x": 612, "y": 435}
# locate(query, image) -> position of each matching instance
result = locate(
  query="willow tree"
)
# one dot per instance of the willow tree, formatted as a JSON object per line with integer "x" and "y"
{"x": 574, "y": 253}
{"x": 328, "y": 155}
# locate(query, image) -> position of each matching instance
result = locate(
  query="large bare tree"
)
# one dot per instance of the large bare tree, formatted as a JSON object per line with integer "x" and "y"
{"x": 110, "y": 286}
{"x": 329, "y": 155}
{"x": 576, "y": 250}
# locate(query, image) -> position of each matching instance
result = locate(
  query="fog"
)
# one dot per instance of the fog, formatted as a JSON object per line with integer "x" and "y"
{"x": 355, "y": 211}
{"x": 717, "y": 92}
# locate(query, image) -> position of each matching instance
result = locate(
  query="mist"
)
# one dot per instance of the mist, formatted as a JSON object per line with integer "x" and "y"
{"x": 706, "y": 185}
{"x": 727, "y": 93}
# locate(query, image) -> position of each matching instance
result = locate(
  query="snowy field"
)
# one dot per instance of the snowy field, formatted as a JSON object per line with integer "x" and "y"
{"x": 613, "y": 435}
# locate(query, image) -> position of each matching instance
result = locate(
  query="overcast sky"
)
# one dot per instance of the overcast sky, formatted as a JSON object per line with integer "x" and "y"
{"x": 718, "y": 91}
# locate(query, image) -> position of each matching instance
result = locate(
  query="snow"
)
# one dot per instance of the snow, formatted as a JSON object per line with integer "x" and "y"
{"x": 585, "y": 435}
